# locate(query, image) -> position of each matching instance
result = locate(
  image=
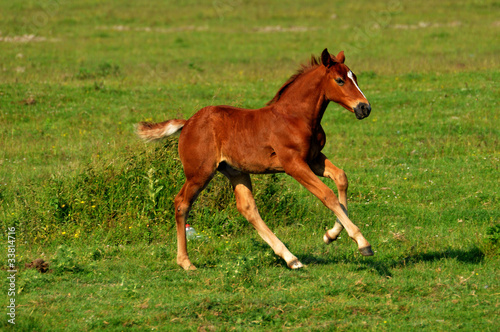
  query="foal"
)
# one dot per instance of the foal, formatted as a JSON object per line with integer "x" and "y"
{"x": 284, "y": 136}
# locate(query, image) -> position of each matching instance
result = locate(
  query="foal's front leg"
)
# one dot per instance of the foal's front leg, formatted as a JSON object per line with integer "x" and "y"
{"x": 323, "y": 167}
{"x": 302, "y": 172}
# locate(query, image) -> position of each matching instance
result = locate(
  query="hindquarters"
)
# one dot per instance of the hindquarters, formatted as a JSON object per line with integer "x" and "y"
{"x": 198, "y": 147}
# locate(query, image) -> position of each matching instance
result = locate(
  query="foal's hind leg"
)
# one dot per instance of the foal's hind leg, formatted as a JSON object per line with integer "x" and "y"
{"x": 246, "y": 205}
{"x": 324, "y": 167}
{"x": 183, "y": 202}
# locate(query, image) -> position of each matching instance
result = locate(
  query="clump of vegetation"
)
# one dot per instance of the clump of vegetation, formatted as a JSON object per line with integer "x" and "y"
{"x": 103, "y": 70}
{"x": 65, "y": 261}
{"x": 131, "y": 200}
{"x": 493, "y": 236}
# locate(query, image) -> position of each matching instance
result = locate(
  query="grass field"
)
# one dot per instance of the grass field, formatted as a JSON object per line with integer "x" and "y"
{"x": 86, "y": 196}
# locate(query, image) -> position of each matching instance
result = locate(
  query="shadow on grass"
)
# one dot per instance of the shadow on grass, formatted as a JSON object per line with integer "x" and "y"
{"x": 310, "y": 259}
{"x": 470, "y": 256}
{"x": 383, "y": 266}
{"x": 473, "y": 255}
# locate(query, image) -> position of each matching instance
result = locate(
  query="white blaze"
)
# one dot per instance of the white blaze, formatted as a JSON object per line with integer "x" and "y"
{"x": 349, "y": 74}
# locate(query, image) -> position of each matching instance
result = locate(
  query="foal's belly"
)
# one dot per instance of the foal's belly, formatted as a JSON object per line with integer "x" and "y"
{"x": 252, "y": 160}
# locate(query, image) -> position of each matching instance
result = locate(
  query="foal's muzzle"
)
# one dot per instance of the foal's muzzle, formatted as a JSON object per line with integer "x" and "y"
{"x": 362, "y": 110}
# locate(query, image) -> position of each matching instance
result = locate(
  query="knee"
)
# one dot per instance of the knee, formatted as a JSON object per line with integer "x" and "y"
{"x": 341, "y": 181}
{"x": 243, "y": 206}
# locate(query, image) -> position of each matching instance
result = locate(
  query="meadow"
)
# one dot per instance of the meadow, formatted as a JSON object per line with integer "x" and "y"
{"x": 86, "y": 196}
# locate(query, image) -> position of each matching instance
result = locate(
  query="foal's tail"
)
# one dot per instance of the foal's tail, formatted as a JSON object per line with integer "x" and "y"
{"x": 150, "y": 131}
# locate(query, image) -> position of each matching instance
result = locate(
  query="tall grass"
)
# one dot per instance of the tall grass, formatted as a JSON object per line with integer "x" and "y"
{"x": 130, "y": 199}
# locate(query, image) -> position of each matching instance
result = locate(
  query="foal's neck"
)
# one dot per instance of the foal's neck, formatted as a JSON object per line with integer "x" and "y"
{"x": 305, "y": 98}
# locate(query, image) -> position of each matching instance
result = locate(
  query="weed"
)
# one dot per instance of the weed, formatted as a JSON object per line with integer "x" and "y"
{"x": 65, "y": 260}
{"x": 493, "y": 236}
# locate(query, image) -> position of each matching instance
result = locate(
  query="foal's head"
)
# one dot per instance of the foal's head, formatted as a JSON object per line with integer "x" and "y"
{"x": 341, "y": 85}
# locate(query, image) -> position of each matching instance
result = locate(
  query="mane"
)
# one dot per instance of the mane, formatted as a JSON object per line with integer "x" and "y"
{"x": 304, "y": 68}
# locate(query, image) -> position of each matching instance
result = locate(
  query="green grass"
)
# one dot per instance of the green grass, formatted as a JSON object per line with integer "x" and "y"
{"x": 96, "y": 203}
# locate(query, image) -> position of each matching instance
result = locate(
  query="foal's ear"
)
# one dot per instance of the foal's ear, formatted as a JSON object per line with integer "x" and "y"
{"x": 340, "y": 57}
{"x": 326, "y": 58}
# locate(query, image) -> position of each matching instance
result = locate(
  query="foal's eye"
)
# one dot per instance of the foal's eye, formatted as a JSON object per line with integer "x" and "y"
{"x": 339, "y": 81}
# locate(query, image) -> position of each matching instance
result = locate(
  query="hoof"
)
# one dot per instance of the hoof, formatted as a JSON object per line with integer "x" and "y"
{"x": 193, "y": 268}
{"x": 295, "y": 264}
{"x": 328, "y": 239}
{"x": 366, "y": 251}
{"x": 190, "y": 267}
{"x": 187, "y": 266}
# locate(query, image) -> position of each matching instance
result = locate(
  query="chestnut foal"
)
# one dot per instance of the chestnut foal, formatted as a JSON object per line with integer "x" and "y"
{"x": 285, "y": 136}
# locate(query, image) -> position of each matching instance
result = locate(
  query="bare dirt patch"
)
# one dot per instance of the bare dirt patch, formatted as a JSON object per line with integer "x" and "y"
{"x": 26, "y": 39}
{"x": 149, "y": 29}
{"x": 38, "y": 264}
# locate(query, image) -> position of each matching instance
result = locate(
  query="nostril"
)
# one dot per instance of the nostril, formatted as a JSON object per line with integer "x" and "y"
{"x": 362, "y": 110}
{"x": 365, "y": 108}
